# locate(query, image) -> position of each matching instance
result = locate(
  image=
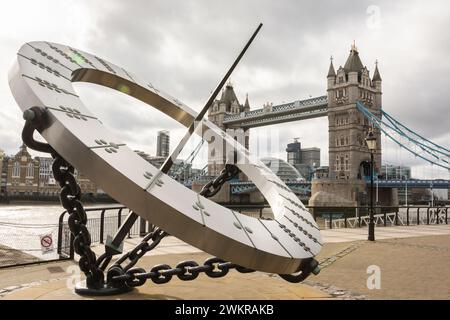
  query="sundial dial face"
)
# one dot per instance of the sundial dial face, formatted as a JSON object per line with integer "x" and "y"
{"x": 42, "y": 75}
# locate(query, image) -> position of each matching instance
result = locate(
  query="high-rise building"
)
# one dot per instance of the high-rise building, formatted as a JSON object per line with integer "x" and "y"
{"x": 163, "y": 144}
{"x": 294, "y": 152}
{"x": 305, "y": 160}
{"x": 311, "y": 157}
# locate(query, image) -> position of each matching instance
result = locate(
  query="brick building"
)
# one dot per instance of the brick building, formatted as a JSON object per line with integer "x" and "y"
{"x": 22, "y": 174}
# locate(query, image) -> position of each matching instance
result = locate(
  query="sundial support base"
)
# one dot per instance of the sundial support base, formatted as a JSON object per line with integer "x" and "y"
{"x": 82, "y": 289}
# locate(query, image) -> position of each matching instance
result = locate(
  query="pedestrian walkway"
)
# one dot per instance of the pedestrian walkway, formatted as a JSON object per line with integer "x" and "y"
{"x": 411, "y": 261}
{"x": 168, "y": 245}
{"x": 381, "y": 233}
{"x": 172, "y": 245}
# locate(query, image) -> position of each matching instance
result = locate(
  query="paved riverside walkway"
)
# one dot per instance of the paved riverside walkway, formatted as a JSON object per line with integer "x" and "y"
{"x": 412, "y": 260}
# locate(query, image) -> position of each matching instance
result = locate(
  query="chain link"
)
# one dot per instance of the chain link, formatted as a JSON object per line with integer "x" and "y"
{"x": 185, "y": 270}
{"x": 213, "y": 187}
{"x": 70, "y": 195}
{"x": 119, "y": 276}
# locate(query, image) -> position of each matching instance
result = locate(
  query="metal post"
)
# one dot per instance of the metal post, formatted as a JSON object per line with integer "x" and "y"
{"x": 376, "y": 198}
{"x": 406, "y": 191}
{"x": 331, "y": 220}
{"x": 119, "y": 218}
{"x": 432, "y": 195}
{"x": 428, "y": 215}
{"x": 446, "y": 215}
{"x": 102, "y": 226}
{"x": 407, "y": 216}
{"x": 60, "y": 232}
{"x": 142, "y": 227}
{"x": 371, "y": 236}
{"x": 72, "y": 249}
{"x": 115, "y": 246}
{"x": 418, "y": 216}
{"x": 359, "y": 218}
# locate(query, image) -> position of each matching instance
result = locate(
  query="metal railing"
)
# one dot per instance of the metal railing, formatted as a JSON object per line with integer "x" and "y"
{"x": 357, "y": 217}
{"x": 106, "y": 224}
{"x": 105, "y": 221}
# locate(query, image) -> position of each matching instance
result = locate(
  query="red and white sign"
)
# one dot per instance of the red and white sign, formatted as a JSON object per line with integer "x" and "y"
{"x": 46, "y": 243}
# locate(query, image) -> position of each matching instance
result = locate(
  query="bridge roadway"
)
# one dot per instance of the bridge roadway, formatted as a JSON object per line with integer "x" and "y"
{"x": 297, "y": 110}
{"x": 303, "y": 187}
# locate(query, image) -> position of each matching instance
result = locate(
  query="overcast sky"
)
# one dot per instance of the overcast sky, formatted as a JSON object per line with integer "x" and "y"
{"x": 185, "y": 47}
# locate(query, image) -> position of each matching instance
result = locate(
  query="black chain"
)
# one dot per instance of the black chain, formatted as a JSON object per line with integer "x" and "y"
{"x": 119, "y": 276}
{"x": 211, "y": 188}
{"x": 70, "y": 195}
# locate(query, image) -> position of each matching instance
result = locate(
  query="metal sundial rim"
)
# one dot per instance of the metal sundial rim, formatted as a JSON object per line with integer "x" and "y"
{"x": 42, "y": 75}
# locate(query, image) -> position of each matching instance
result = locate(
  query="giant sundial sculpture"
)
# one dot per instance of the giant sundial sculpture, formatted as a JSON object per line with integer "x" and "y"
{"x": 41, "y": 82}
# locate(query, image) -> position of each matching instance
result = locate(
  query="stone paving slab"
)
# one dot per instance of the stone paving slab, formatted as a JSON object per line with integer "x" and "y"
{"x": 412, "y": 263}
{"x": 411, "y": 268}
{"x": 234, "y": 286}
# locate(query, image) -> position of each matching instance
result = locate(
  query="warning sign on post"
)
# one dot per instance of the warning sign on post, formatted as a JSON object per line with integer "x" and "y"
{"x": 46, "y": 243}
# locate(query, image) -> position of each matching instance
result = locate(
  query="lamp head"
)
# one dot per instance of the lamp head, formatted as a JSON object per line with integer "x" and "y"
{"x": 371, "y": 141}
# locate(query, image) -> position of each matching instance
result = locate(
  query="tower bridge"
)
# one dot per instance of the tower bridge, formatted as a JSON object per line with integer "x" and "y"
{"x": 353, "y": 108}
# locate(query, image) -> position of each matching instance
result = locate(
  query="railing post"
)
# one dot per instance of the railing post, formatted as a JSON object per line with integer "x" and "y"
{"x": 396, "y": 218}
{"x": 119, "y": 218}
{"x": 418, "y": 215}
{"x": 102, "y": 226}
{"x": 331, "y": 220}
{"x": 428, "y": 215}
{"x": 437, "y": 215}
{"x": 385, "y": 218}
{"x": 407, "y": 216}
{"x": 446, "y": 215}
{"x": 345, "y": 221}
{"x": 142, "y": 227}
{"x": 72, "y": 250}
{"x": 359, "y": 218}
{"x": 60, "y": 232}
{"x": 129, "y": 231}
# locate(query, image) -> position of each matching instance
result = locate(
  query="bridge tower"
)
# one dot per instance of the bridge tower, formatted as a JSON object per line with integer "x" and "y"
{"x": 345, "y": 183}
{"x": 228, "y": 104}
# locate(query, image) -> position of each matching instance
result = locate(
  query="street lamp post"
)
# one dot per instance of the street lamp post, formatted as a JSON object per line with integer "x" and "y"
{"x": 371, "y": 141}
